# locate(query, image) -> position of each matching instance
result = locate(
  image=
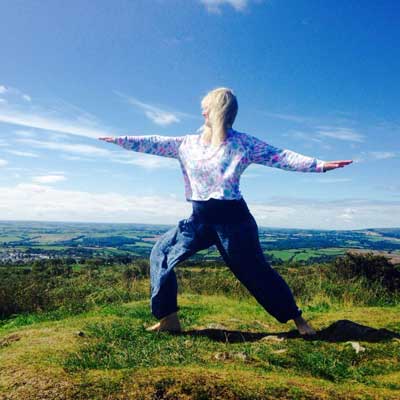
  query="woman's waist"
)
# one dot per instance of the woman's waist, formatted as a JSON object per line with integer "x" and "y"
{"x": 220, "y": 210}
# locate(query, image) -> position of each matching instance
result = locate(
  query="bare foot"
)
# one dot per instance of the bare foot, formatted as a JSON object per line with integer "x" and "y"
{"x": 170, "y": 323}
{"x": 303, "y": 326}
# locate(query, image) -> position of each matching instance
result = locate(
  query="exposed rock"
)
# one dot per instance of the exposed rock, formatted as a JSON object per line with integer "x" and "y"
{"x": 356, "y": 346}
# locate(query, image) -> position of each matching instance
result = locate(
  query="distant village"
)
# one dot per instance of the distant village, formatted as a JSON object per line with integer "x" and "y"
{"x": 15, "y": 256}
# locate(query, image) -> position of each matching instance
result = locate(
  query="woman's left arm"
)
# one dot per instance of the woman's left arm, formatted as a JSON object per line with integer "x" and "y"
{"x": 263, "y": 153}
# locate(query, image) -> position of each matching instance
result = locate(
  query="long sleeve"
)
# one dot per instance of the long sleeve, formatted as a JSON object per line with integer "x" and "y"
{"x": 260, "y": 152}
{"x": 152, "y": 144}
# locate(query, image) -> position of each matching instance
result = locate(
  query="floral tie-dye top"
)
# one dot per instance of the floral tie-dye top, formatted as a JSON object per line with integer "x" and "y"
{"x": 214, "y": 172}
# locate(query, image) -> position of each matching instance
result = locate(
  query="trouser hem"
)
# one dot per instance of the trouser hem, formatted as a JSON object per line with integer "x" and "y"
{"x": 285, "y": 320}
{"x": 162, "y": 314}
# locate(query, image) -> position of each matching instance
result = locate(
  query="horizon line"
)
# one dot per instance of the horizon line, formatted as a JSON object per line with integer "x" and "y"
{"x": 161, "y": 224}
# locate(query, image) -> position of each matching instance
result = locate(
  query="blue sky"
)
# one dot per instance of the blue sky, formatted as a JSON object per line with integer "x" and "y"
{"x": 318, "y": 78}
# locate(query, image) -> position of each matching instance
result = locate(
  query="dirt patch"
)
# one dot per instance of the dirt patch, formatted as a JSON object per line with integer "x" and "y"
{"x": 9, "y": 339}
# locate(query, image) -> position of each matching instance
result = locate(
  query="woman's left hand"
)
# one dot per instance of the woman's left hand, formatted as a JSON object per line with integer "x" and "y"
{"x": 328, "y": 165}
{"x": 107, "y": 139}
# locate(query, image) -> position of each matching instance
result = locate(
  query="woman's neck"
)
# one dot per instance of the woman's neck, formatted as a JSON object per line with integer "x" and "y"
{"x": 207, "y": 136}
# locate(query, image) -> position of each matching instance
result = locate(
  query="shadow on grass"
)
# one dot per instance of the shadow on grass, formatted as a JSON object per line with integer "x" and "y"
{"x": 339, "y": 331}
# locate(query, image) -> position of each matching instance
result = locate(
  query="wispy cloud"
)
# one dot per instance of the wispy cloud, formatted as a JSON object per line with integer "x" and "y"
{"x": 307, "y": 136}
{"x": 24, "y": 133}
{"x": 22, "y": 153}
{"x": 3, "y": 162}
{"x": 214, "y": 6}
{"x": 119, "y": 155}
{"x": 375, "y": 155}
{"x": 60, "y": 117}
{"x": 155, "y": 113}
{"x": 50, "y": 122}
{"x": 73, "y": 148}
{"x": 46, "y": 179}
{"x": 340, "y": 133}
{"x": 290, "y": 117}
{"x": 8, "y": 91}
{"x": 395, "y": 188}
{"x": 75, "y": 158}
{"x": 383, "y": 155}
{"x": 317, "y": 129}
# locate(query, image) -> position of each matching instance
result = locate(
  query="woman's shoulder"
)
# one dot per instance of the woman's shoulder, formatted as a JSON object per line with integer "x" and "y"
{"x": 191, "y": 137}
{"x": 242, "y": 137}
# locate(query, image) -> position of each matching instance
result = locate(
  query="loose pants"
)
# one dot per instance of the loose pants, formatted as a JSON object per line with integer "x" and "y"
{"x": 239, "y": 245}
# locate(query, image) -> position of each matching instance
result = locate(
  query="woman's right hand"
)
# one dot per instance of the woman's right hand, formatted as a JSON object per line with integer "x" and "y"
{"x": 107, "y": 139}
{"x": 329, "y": 165}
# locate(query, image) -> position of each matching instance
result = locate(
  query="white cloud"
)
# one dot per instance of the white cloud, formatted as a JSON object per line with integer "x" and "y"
{"x": 161, "y": 118}
{"x": 26, "y": 134}
{"x": 146, "y": 160}
{"x": 340, "y": 133}
{"x": 22, "y": 153}
{"x": 26, "y": 97}
{"x": 3, "y": 163}
{"x": 214, "y": 6}
{"x": 40, "y": 202}
{"x": 48, "y": 179}
{"x": 155, "y": 114}
{"x": 29, "y": 201}
{"x": 3, "y": 89}
{"x": 323, "y": 214}
{"x": 82, "y": 149}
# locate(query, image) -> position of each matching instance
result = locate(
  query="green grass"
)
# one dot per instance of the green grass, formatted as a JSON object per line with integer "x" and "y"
{"x": 303, "y": 254}
{"x": 91, "y": 343}
{"x": 115, "y": 355}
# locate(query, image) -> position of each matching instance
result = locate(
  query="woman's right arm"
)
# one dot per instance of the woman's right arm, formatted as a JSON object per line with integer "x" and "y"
{"x": 165, "y": 146}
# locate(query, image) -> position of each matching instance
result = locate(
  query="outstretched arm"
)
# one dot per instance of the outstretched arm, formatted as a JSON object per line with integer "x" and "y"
{"x": 263, "y": 153}
{"x": 152, "y": 144}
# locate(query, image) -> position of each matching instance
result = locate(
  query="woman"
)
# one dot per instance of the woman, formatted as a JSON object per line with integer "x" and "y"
{"x": 212, "y": 163}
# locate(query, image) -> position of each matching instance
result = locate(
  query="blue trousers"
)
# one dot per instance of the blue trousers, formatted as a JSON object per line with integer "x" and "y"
{"x": 237, "y": 239}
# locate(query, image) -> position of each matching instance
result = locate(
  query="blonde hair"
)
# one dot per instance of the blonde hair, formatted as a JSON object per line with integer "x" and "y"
{"x": 222, "y": 107}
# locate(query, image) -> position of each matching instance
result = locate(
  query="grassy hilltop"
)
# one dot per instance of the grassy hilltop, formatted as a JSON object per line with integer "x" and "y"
{"x": 79, "y": 333}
